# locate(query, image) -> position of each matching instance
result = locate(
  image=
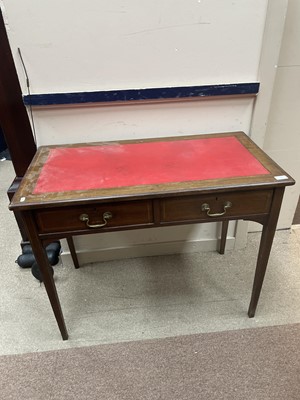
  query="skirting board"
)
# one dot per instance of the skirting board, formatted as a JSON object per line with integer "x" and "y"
{"x": 145, "y": 250}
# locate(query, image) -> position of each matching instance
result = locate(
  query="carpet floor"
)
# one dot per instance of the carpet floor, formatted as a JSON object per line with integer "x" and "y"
{"x": 256, "y": 364}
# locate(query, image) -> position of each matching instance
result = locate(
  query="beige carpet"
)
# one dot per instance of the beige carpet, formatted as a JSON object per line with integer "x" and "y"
{"x": 256, "y": 364}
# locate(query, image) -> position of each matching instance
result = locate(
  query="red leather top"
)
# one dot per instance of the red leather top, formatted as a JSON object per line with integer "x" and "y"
{"x": 117, "y": 165}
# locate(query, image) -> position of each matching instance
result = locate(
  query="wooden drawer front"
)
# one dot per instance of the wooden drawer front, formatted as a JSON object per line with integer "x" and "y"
{"x": 189, "y": 208}
{"x": 64, "y": 219}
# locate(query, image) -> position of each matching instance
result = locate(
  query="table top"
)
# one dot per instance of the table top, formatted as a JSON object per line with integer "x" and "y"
{"x": 149, "y": 167}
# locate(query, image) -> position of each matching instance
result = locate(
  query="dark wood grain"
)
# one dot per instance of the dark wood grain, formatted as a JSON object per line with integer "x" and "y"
{"x": 223, "y": 236}
{"x": 63, "y": 219}
{"x": 44, "y": 266}
{"x": 266, "y": 241}
{"x": 14, "y": 119}
{"x": 56, "y": 215}
{"x": 188, "y": 208}
{"x": 13, "y": 115}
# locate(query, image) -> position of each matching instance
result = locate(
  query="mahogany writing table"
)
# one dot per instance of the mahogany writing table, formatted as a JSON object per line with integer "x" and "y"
{"x": 102, "y": 187}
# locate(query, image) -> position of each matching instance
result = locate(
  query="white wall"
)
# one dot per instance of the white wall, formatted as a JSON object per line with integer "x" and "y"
{"x": 275, "y": 123}
{"x": 282, "y": 140}
{"x": 96, "y": 123}
{"x": 70, "y": 46}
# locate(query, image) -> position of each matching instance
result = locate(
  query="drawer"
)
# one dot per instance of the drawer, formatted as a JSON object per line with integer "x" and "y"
{"x": 231, "y": 204}
{"x": 95, "y": 217}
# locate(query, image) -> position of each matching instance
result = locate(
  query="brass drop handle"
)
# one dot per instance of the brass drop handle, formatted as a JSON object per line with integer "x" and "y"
{"x": 106, "y": 216}
{"x": 205, "y": 207}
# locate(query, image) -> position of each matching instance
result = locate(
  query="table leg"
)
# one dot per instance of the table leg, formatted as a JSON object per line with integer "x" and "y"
{"x": 266, "y": 241}
{"x": 43, "y": 263}
{"x": 73, "y": 251}
{"x": 223, "y": 236}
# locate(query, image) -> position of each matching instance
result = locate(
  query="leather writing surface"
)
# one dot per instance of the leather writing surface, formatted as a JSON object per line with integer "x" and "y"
{"x": 148, "y": 163}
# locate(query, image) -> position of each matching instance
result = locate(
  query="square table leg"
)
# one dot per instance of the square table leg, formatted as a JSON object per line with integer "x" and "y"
{"x": 269, "y": 228}
{"x": 223, "y": 236}
{"x": 44, "y": 266}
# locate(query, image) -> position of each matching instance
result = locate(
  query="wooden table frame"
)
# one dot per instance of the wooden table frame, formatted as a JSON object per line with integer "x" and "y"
{"x": 59, "y": 215}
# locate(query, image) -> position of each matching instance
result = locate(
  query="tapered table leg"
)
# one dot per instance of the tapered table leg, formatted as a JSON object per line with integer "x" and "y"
{"x": 223, "y": 236}
{"x": 266, "y": 241}
{"x": 44, "y": 266}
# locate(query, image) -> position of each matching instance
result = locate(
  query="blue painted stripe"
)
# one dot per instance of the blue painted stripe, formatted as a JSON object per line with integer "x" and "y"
{"x": 141, "y": 94}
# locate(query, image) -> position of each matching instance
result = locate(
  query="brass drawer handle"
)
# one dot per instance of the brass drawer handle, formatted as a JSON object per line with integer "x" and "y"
{"x": 106, "y": 216}
{"x": 205, "y": 207}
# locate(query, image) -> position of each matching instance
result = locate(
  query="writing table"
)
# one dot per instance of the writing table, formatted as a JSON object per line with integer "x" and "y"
{"x": 102, "y": 187}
